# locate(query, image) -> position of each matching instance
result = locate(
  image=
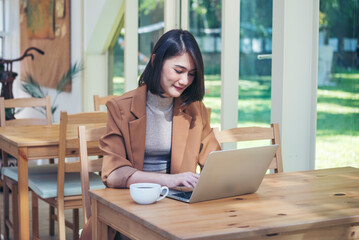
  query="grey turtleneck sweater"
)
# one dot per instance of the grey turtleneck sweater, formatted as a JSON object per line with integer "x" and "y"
{"x": 159, "y": 113}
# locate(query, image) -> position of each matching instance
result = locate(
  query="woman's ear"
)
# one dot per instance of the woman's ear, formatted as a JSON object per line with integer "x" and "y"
{"x": 152, "y": 59}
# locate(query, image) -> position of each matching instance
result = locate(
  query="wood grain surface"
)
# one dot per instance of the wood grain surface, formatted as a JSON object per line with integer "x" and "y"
{"x": 321, "y": 204}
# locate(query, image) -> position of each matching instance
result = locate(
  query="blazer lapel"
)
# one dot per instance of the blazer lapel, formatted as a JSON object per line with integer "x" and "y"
{"x": 137, "y": 127}
{"x": 180, "y": 128}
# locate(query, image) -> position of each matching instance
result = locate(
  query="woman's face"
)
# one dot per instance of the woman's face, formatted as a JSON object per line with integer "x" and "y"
{"x": 177, "y": 74}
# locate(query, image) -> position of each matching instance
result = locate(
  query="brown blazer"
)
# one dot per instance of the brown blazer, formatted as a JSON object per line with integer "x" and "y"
{"x": 124, "y": 142}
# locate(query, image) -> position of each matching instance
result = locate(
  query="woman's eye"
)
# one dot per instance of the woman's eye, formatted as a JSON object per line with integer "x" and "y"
{"x": 178, "y": 71}
{"x": 192, "y": 74}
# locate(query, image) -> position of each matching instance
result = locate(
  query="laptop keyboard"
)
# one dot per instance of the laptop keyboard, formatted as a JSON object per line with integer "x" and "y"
{"x": 185, "y": 195}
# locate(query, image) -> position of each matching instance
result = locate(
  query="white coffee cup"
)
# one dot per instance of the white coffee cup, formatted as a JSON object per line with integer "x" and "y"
{"x": 147, "y": 193}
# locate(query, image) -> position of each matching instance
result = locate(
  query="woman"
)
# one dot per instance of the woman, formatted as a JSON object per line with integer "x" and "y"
{"x": 160, "y": 131}
{"x": 162, "y": 126}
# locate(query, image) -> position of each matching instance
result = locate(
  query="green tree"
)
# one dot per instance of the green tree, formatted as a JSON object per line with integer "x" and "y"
{"x": 256, "y": 18}
{"x": 339, "y": 18}
{"x": 206, "y": 14}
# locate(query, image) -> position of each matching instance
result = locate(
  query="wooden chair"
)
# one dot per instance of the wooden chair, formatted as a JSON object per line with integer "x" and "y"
{"x": 23, "y": 103}
{"x": 67, "y": 179}
{"x": 88, "y": 166}
{"x": 10, "y": 177}
{"x": 101, "y": 101}
{"x": 254, "y": 133}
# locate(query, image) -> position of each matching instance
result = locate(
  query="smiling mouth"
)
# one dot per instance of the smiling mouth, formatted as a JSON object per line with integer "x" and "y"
{"x": 178, "y": 88}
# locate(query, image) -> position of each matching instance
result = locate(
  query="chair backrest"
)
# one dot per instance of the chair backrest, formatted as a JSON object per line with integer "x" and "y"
{"x": 94, "y": 165}
{"x": 254, "y": 133}
{"x": 101, "y": 101}
{"x": 69, "y": 144}
{"x": 24, "y": 103}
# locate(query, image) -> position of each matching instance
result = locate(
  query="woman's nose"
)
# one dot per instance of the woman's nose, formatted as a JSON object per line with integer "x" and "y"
{"x": 184, "y": 79}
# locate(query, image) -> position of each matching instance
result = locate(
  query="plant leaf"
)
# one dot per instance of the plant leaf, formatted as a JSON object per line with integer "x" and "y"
{"x": 53, "y": 109}
{"x": 76, "y": 68}
{"x": 30, "y": 86}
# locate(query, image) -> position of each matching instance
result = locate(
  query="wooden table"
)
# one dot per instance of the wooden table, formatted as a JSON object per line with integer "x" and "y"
{"x": 29, "y": 143}
{"x": 321, "y": 204}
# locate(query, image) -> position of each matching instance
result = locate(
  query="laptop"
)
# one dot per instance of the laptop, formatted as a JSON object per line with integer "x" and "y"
{"x": 229, "y": 173}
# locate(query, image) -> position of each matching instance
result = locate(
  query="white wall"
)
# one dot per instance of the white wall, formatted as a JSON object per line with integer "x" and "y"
{"x": 92, "y": 13}
{"x": 100, "y": 22}
{"x": 95, "y": 79}
{"x": 12, "y": 41}
{"x": 71, "y": 102}
{"x": 89, "y": 36}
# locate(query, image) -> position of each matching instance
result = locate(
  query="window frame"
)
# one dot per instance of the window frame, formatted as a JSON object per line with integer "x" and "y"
{"x": 3, "y": 33}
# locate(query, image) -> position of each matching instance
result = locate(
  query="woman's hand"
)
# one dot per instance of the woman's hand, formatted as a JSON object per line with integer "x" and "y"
{"x": 186, "y": 179}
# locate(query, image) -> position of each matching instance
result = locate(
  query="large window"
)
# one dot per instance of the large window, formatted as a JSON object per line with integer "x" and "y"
{"x": 337, "y": 138}
{"x": 205, "y": 21}
{"x": 116, "y": 63}
{"x": 255, "y": 75}
{"x": 205, "y": 25}
{"x": 254, "y": 101}
{"x": 150, "y": 28}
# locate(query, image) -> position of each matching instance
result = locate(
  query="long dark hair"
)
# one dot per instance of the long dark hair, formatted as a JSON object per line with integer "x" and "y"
{"x": 175, "y": 43}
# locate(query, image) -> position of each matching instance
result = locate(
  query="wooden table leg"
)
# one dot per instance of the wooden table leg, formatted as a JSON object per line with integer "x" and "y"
{"x": 103, "y": 230}
{"x": 94, "y": 218}
{"x": 99, "y": 229}
{"x": 6, "y": 204}
{"x": 24, "y": 222}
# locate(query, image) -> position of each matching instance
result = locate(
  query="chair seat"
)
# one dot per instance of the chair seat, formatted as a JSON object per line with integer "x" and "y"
{"x": 11, "y": 172}
{"x": 43, "y": 180}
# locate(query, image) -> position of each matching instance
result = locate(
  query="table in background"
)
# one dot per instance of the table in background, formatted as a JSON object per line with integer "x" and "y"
{"x": 319, "y": 204}
{"x": 31, "y": 143}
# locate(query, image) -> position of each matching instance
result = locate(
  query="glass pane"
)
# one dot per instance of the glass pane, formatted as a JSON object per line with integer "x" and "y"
{"x": 254, "y": 105}
{"x": 117, "y": 58}
{"x": 254, "y": 100}
{"x": 337, "y": 137}
{"x": 150, "y": 29}
{"x": 205, "y": 25}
